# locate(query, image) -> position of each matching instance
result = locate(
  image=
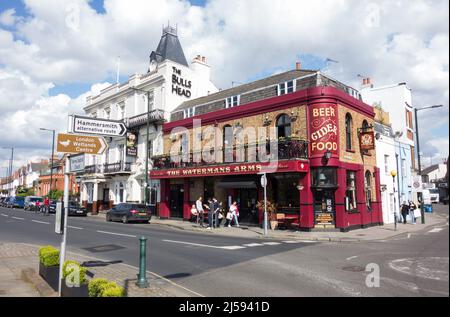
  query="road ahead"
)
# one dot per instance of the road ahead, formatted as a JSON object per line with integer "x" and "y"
{"x": 410, "y": 265}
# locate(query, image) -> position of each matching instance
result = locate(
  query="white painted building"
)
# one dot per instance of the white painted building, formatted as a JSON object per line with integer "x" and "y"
{"x": 434, "y": 173}
{"x": 119, "y": 175}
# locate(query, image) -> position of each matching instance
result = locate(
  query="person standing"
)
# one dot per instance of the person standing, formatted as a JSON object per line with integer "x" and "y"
{"x": 46, "y": 205}
{"x": 200, "y": 211}
{"x": 412, "y": 208}
{"x": 211, "y": 212}
{"x": 235, "y": 214}
{"x": 405, "y": 211}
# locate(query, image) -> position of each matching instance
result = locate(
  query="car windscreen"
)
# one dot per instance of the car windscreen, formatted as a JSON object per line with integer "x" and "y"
{"x": 434, "y": 191}
{"x": 35, "y": 199}
{"x": 20, "y": 198}
{"x": 139, "y": 207}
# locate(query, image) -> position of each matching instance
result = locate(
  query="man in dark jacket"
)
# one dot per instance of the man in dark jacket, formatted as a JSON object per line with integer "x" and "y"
{"x": 405, "y": 211}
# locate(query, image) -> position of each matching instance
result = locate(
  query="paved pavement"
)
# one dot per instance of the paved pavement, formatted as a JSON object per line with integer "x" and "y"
{"x": 412, "y": 261}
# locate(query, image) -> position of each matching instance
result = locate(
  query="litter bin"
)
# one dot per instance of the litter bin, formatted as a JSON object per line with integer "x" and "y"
{"x": 428, "y": 208}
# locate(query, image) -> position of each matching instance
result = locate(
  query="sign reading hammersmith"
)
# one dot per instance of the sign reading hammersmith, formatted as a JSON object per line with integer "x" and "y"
{"x": 75, "y": 143}
{"x": 235, "y": 169}
{"x": 367, "y": 140}
{"x": 98, "y": 126}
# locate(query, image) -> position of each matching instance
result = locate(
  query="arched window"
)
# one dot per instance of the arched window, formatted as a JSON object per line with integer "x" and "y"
{"x": 368, "y": 189}
{"x": 365, "y": 125}
{"x": 284, "y": 126}
{"x": 348, "y": 131}
{"x": 227, "y": 144}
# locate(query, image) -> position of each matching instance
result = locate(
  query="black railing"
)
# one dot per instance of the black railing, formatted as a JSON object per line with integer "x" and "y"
{"x": 93, "y": 169}
{"x": 117, "y": 167}
{"x": 288, "y": 149}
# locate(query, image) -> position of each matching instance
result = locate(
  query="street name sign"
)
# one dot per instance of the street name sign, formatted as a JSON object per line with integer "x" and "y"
{"x": 76, "y": 163}
{"x": 75, "y": 144}
{"x": 98, "y": 126}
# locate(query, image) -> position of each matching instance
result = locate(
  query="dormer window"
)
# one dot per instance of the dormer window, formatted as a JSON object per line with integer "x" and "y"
{"x": 232, "y": 101}
{"x": 286, "y": 88}
{"x": 189, "y": 112}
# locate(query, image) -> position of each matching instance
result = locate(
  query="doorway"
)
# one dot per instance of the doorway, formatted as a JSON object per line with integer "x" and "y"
{"x": 247, "y": 200}
{"x": 176, "y": 201}
{"x": 324, "y": 208}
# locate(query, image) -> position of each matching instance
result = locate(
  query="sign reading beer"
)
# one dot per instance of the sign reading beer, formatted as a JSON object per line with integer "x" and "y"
{"x": 180, "y": 86}
{"x": 367, "y": 140}
{"x": 324, "y": 130}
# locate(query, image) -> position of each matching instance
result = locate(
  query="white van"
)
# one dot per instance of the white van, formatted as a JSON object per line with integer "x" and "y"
{"x": 434, "y": 195}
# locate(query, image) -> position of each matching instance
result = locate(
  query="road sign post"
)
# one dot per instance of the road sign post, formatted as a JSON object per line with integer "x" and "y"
{"x": 58, "y": 218}
{"x": 64, "y": 235}
{"x": 264, "y": 185}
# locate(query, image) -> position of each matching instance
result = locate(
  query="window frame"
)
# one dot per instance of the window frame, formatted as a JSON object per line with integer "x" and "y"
{"x": 232, "y": 101}
{"x": 285, "y": 87}
{"x": 352, "y": 189}
{"x": 284, "y": 125}
{"x": 348, "y": 132}
{"x": 189, "y": 112}
{"x": 368, "y": 189}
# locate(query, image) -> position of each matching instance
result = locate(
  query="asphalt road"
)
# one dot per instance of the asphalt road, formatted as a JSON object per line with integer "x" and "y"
{"x": 410, "y": 265}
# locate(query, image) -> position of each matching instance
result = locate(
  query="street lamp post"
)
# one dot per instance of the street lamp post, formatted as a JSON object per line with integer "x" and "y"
{"x": 393, "y": 174}
{"x": 10, "y": 168}
{"x": 51, "y": 160}
{"x": 417, "y": 133}
{"x": 147, "y": 185}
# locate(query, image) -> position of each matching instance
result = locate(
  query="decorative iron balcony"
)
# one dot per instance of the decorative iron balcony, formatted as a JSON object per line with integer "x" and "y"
{"x": 93, "y": 169}
{"x": 119, "y": 167}
{"x": 288, "y": 149}
{"x": 156, "y": 116}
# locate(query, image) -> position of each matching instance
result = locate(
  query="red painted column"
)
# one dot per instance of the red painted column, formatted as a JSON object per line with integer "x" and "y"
{"x": 306, "y": 203}
{"x": 164, "y": 209}
{"x": 186, "y": 202}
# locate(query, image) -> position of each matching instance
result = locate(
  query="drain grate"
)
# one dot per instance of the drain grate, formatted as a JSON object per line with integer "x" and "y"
{"x": 104, "y": 248}
{"x": 353, "y": 268}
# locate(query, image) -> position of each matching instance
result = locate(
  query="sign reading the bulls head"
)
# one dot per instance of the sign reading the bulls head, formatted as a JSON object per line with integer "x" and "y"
{"x": 324, "y": 129}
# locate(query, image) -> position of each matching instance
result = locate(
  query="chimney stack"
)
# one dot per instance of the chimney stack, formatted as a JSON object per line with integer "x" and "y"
{"x": 298, "y": 66}
{"x": 367, "y": 83}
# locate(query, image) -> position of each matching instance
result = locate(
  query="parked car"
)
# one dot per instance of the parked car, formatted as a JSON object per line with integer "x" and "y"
{"x": 74, "y": 208}
{"x": 31, "y": 202}
{"x": 15, "y": 202}
{"x": 3, "y": 201}
{"x": 127, "y": 212}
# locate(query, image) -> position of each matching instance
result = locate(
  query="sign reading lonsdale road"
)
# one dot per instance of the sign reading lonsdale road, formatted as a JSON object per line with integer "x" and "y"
{"x": 75, "y": 143}
{"x": 98, "y": 126}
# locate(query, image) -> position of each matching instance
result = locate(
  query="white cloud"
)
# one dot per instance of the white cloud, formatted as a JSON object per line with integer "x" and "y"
{"x": 8, "y": 17}
{"x": 66, "y": 41}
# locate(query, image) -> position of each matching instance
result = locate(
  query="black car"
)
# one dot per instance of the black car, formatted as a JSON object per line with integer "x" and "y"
{"x": 126, "y": 212}
{"x": 74, "y": 208}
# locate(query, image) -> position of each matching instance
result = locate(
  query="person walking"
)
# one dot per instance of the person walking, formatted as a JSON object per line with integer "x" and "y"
{"x": 46, "y": 206}
{"x": 404, "y": 211}
{"x": 220, "y": 215}
{"x": 412, "y": 208}
{"x": 200, "y": 210}
{"x": 235, "y": 214}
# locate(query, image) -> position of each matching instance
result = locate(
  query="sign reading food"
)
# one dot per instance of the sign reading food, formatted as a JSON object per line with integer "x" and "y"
{"x": 324, "y": 130}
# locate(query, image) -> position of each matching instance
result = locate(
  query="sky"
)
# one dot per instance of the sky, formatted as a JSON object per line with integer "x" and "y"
{"x": 54, "y": 53}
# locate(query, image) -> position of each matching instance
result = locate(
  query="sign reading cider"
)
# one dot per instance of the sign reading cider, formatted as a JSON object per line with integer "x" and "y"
{"x": 180, "y": 86}
{"x": 324, "y": 130}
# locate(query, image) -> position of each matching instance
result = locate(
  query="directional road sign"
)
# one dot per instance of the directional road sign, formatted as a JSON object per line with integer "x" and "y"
{"x": 75, "y": 143}
{"x": 98, "y": 126}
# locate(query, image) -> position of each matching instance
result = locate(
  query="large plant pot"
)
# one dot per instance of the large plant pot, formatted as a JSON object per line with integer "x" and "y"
{"x": 81, "y": 291}
{"x": 50, "y": 274}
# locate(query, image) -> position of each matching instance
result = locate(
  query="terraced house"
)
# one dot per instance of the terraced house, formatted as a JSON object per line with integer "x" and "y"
{"x": 312, "y": 135}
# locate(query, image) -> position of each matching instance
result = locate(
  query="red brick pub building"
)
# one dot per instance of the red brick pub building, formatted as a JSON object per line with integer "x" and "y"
{"x": 323, "y": 179}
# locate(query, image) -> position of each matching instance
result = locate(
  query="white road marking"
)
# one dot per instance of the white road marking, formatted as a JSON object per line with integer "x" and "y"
{"x": 5, "y": 215}
{"x": 78, "y": 228}
{"x": 409, "y": 235}
{"x": 18, "y": 218}
{"x": 43, "y": 222}
{"x": 117, "y": 234}
{"x": 271, "y": 243}
{"x": 253, "y": 245}
{"x": 291, "y": 241}
{"x": 232, "y": 247}
{"x": 351, "y": 258}
{"x": 435, "y": 230}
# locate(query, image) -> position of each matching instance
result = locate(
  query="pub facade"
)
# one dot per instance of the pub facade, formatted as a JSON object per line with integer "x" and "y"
{"x": 310, "y": 134}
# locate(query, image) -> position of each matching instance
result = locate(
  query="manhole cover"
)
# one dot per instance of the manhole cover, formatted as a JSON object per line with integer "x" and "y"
{"x": 353, "y": 268}
{"x": 104, "y": 248}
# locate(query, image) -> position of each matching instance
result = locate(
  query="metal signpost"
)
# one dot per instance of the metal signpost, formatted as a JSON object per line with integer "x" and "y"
{"x": 58, "y": 216}
{"x": 88, "y": 125}
{"x": 264, "y": 185}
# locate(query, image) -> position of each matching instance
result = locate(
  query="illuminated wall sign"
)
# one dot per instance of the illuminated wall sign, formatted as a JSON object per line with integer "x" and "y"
{"x": 324, "y": 129}
{"x": 180, "y": 86}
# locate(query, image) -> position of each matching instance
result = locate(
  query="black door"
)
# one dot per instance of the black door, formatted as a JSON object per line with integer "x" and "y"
{"x": 176, "y": 201}
{"x": 324, "y": 207}
{"x": 247, "y": 200}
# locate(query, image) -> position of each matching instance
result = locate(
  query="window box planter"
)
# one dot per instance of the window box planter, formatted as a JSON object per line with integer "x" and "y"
{"x": 81, "y": 291}
{"x": 50, "y": 274}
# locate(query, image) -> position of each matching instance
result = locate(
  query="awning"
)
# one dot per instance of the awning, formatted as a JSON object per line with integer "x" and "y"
{"x": 237, "y": 185}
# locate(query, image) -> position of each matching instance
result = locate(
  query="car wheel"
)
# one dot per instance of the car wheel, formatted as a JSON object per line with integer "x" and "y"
{"x": 125, "y": 219}
{"x": 108, "y": 218}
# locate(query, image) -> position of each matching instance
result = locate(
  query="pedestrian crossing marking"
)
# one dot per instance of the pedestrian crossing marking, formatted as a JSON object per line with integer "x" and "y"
{"x": 253, "y": 245}
{"x": 436, "y": 230}
{"x": 271, "y": 243}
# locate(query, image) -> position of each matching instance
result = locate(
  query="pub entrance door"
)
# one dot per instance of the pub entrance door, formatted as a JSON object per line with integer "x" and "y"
{"x": 247, "y": 200}
{"x": 176, "y": 201}
{"x": 324, "y": 208}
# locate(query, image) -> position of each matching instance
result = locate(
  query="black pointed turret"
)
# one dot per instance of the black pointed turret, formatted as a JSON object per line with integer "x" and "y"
{"x": 169, "y": 47}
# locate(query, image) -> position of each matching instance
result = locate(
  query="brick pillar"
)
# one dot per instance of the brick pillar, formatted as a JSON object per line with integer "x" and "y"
{"x": 186, "y": 202}
{"x": 164, "y": 208}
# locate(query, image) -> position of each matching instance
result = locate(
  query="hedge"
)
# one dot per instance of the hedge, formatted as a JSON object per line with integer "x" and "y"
{"x": 49, "y": 256}
{"x": 100, "y": 287}
{"x": 68, "y": 271}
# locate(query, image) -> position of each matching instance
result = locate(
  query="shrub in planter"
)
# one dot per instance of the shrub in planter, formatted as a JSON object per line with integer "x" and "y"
{"x": 101, "y": 287}
{"x": 49, "y": 265}
{"x": 74, "y": 280}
